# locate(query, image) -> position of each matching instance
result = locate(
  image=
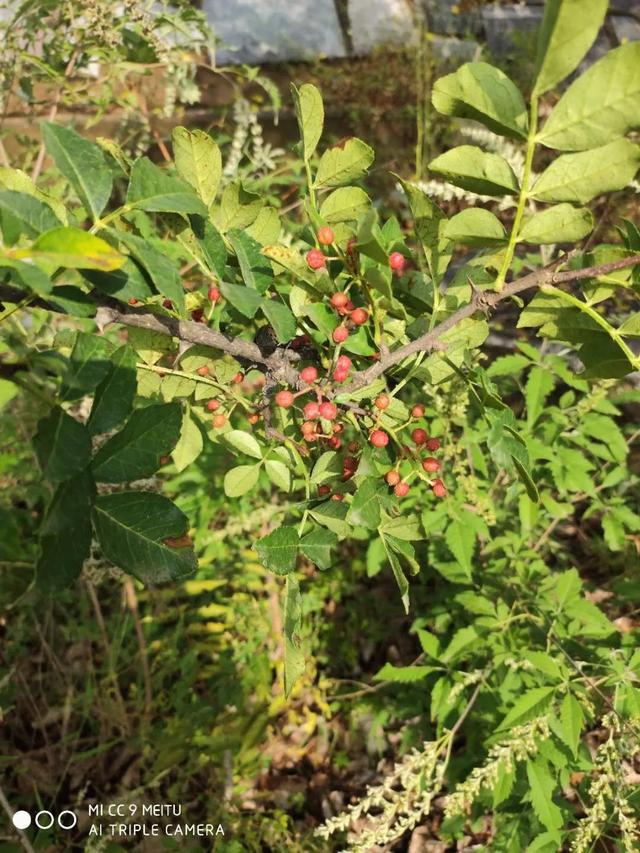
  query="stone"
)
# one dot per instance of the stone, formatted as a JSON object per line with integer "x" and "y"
{"x": 260, "y": 31}
{"x": 632, "y": 6}
{"x": 506, "y": 25}
{"x": 451, "y": 52}
{"x": 380, "y": 23}
{"x": 440, "y": 19}
{"x": 625, "y": 28}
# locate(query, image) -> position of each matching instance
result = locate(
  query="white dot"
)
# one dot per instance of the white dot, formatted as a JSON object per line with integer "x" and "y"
{"x": 21, "y": 820}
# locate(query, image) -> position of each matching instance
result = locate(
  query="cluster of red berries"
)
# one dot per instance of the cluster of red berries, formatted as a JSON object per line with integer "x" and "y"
{"x": 429, "y": 464}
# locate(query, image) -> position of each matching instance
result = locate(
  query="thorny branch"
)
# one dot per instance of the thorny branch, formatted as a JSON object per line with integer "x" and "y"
{"x": 280, "y": 364}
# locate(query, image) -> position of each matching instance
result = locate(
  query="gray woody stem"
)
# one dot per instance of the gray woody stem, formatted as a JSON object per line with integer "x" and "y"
{"x": 280, "y": 364}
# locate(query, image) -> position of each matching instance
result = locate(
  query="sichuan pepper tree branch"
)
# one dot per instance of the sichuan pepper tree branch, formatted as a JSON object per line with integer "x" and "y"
{"x": 280, "y": 364}
{"x": 482, "y": 301}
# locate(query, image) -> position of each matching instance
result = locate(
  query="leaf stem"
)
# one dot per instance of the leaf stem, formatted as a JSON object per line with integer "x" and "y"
{"x": 524, "y": 194}
{"x": 613, "y": 333}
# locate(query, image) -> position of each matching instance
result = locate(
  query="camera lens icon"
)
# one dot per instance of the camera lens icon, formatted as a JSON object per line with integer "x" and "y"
{"x": 44, "y": 819}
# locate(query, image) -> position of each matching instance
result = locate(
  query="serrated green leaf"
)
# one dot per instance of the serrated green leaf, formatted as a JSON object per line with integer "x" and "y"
{"x": 527, "y": 705}
{"x": 310, "y": 115}
{"x": 135, "y": 451}
{"x": 65, "y": 535}
{"x": 317, "y": 546}
{"x": 74, "y": 248}
{"x": 152, "y": 189}
{"x": 243, "y": 442}
{"x": 561, "y": 223}
{"x": 82, "y": 163}
{"x": 162, "y": 270}
{"x": 571, "y": 720}
{"x": 240, "y": 480}
{"x": 541, "y": 788}
{"x": 332, "y": 514}
{"x": 211, "y": 244}
{"x": 402, "y": 674}
{"x": 582, "y": 176}
{"x": 482, "y": 92}
{"x": 603, "y": 104}
{"x": 21, "y": 213}
{"x": 328, "y": 466}
{"x": 62, "y": 445}
{"x": 461, "y": 540}
{"x": 343, "y": 163}
{"x": 281, "y": 319}
{"x": 256, "y": 271}
{"x": 540, "y": 384}
{"x": 279, "y": 549}
{"x": 135, "y": 531}
{"x": 244, "y": 299}
{"x": 403, "y": 527}
{"x": 89, "y": 363}
{"x": 478, "y": 171}
{"x": 345, "y": 204}
{"x": 294, "y": 663}
{"x": 198, "y": 161}
{"x": 114, "y": 396}
{"x": 568, "y": 30}
{"x": 365, "y": 506}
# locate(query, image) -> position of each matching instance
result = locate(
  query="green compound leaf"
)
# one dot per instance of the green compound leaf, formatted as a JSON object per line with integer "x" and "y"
{"x": 135, "y": 531}
{"x": 278, "y": 550}
{"x": 89, "y": 363}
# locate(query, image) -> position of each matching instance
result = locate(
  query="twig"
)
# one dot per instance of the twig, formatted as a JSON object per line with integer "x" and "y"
{"x": 280, "y": 363}
{"x": 483, "y": 301}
